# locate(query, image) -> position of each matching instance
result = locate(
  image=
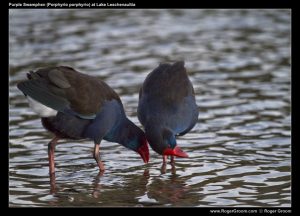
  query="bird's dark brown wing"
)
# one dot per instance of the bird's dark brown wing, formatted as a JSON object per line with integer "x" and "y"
{"x": 62, "y": 88}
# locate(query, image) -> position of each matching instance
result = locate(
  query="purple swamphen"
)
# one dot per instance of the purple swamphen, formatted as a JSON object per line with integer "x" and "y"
{"x": 76, "y": 106}
{"x": 167, "y": 108}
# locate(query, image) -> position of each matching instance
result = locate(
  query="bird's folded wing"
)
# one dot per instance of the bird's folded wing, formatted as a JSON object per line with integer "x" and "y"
{"x": 57, "y": 77}
{"x": 50, "y": 96}
{"x": 39, "y": 92}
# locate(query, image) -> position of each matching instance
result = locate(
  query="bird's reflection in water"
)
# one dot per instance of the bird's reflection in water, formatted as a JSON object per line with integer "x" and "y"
{"x": 164, "y": 189}
{"x": 97, "y": 186}
{"x": 155, "y": 189}
{"x": 168, "y": 191}
{"x": 147, "y": 189}
{"x": 132, "y": 186}
{"x": 61, "y": 195}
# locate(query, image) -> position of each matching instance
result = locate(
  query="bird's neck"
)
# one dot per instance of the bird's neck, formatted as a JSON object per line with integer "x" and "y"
{"x": 126, "y": 133}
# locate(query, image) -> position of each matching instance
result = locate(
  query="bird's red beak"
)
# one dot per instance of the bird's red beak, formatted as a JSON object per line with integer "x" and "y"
{"x": 143, "y": 150}
{"x": 175, "y": 152}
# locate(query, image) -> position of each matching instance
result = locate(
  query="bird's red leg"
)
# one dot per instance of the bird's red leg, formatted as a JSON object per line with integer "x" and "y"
{"x": 51, "y": 149}
{"x": 173, "y": 168}
{"x": 97, "y": 158}
{"x": 165, "y": 157}
{"x": 172, "y": 159}
{"x": 164, "y": 164}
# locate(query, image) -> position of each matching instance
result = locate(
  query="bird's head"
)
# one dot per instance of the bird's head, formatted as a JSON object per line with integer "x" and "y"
{"x": 163, "y": 142}
{"x": 135, "y": 139}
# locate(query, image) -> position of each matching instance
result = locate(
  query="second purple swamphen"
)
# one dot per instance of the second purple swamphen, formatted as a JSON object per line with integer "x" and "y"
{"x": 167, "y": 108}
{"x": 73, "y": 105}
